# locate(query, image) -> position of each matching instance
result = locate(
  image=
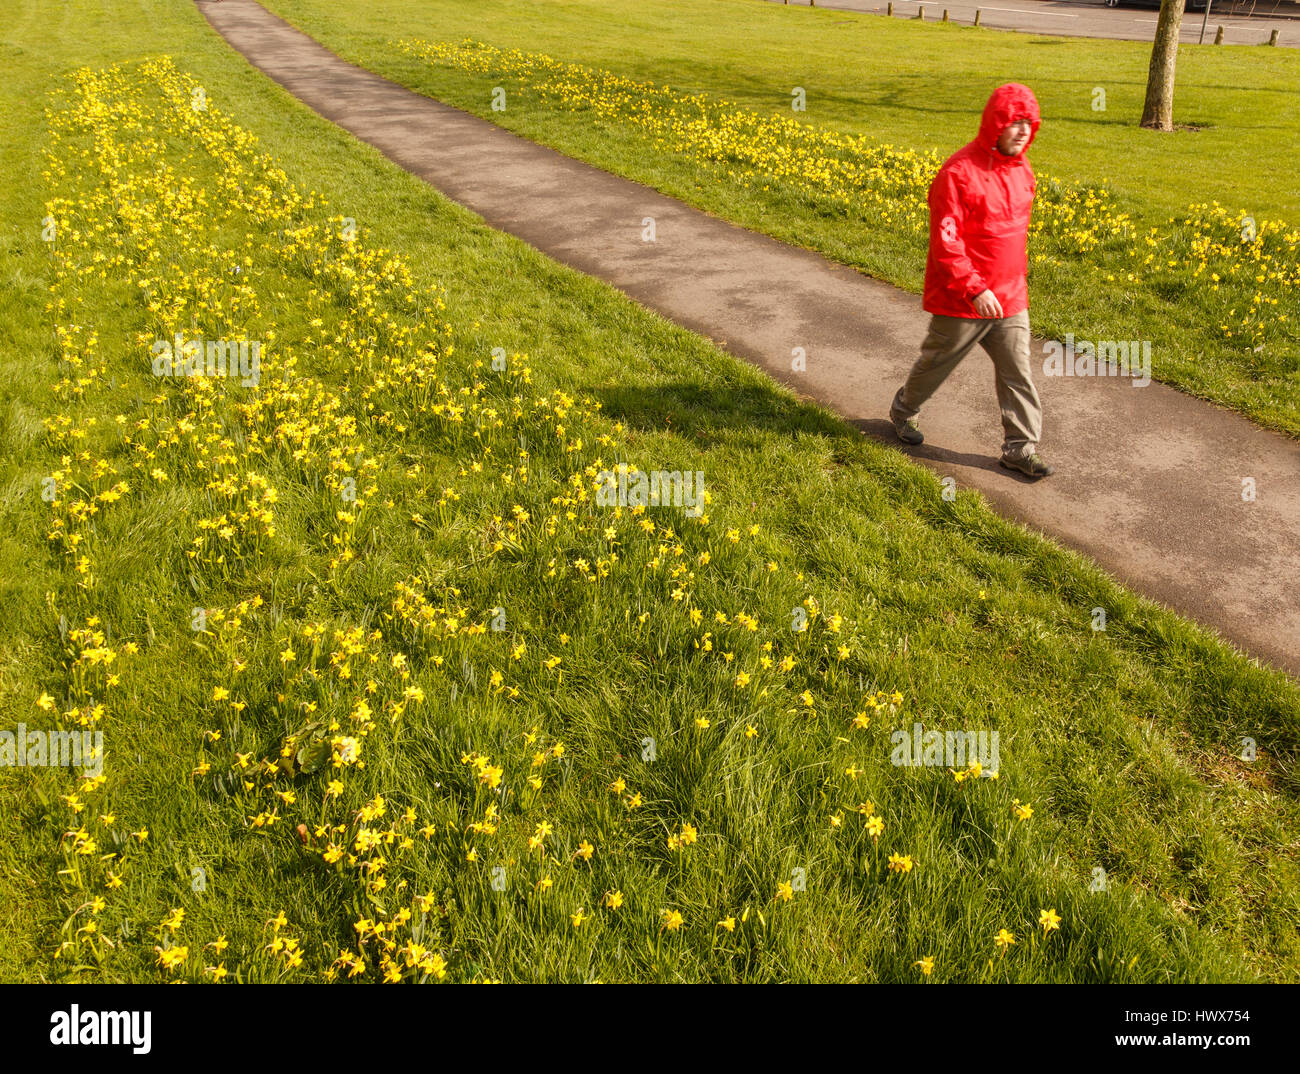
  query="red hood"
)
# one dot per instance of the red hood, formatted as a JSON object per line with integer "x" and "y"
{"x": 1007, "y": 104}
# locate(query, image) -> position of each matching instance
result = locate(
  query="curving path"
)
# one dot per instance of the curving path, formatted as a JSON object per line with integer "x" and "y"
{"x": 1149, "y": 481}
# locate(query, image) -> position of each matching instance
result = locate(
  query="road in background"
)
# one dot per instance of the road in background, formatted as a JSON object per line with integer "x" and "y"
{"x": 1070, "y": 18}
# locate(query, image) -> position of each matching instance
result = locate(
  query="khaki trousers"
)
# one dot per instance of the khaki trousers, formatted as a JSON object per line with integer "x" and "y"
{"x": 1006, "y": 340}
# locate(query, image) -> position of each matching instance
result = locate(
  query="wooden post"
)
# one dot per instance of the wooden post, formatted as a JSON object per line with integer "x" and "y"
{"x": 945, "y": 14}
{"x": 1272, "y": 38}
{"x": 977, "y": 16}
{"x": 920, "y": 13}
{"x": 1218, "y": 37}
{"x": 890, "y": 9}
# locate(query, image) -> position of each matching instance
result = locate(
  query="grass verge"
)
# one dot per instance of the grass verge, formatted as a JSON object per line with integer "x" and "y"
{"x": 251, "y": 590}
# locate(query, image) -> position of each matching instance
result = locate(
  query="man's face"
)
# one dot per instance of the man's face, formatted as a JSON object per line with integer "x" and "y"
{"x": 1015, "y": 137}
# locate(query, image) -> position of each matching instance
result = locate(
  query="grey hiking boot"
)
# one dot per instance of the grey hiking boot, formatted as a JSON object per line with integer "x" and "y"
{"x": 909, "y": 432}
{"x": 1032, "y": 465}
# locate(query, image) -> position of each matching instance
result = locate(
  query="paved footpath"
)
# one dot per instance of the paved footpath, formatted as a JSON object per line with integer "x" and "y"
{"x": 1149, "y": 481}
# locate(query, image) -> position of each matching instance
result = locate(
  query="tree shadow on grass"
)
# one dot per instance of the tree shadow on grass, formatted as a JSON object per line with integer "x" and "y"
{"x": 744, "y": 415}
{"x": 710, "y": 413}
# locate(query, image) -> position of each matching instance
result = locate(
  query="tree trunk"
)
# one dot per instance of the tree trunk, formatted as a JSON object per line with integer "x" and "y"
{"x": 1158, "y": 112}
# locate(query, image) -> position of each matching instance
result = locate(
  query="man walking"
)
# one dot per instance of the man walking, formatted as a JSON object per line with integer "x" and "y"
{"x": 975, "y": 287}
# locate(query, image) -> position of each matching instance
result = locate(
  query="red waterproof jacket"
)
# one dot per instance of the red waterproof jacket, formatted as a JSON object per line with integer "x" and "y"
{"x": 979, "y": 215}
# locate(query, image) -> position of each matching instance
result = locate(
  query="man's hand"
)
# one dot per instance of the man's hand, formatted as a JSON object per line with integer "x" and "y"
{"x": 987, "y": 305}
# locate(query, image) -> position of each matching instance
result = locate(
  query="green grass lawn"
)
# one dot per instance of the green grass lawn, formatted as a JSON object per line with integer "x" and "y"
{"x": 920, "y": 88}
{"x": 422, "y": 499}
